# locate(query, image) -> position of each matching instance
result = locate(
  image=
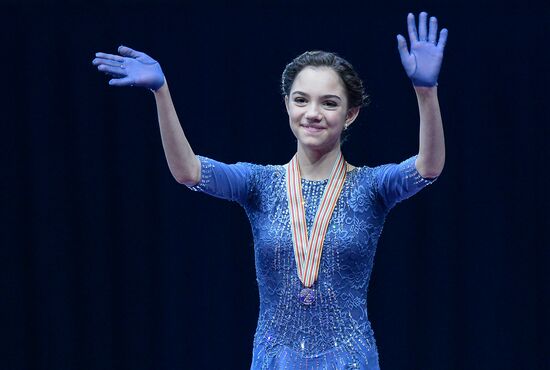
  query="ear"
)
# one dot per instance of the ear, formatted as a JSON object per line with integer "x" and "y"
{"x": 286, "y": 103}
{"x": 351, "y": 115}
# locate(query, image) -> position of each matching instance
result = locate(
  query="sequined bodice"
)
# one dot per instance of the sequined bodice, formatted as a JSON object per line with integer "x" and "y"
{"x": 334, "y": 331}
{"x": 338, "y": 317}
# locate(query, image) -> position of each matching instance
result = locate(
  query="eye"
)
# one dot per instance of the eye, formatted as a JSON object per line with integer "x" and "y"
{"x": 300, "y": 100}
{"x": 330, "y": 103}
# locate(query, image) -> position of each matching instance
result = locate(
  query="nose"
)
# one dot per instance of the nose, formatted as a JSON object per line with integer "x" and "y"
{"x": 313, "y": 113}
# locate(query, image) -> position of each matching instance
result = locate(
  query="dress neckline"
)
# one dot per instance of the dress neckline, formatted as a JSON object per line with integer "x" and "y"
{"x": 324, "y": 181}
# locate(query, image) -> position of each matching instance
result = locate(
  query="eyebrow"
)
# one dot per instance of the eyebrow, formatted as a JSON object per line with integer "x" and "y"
{"x": 324, "y": 96}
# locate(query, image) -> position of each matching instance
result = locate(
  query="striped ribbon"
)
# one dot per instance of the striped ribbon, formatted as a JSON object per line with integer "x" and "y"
{"x": 307, "y": 251}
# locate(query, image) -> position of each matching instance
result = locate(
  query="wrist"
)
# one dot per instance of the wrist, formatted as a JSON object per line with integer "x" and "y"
{"x": 159, "y": 89}
{"x": 425, "y": 91}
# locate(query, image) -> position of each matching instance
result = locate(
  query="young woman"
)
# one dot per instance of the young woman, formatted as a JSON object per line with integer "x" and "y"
{"x": 316, "y": 220}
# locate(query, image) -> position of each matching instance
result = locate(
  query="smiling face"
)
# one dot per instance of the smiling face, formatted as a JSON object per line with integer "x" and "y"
{"x": 318, "y": 110}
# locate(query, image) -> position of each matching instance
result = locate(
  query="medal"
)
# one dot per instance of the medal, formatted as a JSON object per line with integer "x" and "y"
{"x": 307, "y": 250}
{"x": 307, "y": 296}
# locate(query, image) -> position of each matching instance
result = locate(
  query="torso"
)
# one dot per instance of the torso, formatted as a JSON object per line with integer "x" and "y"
{"x": 336, "y": 326}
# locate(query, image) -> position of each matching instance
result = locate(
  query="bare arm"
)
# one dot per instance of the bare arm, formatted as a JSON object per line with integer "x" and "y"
{"x": 183, "y": 164}
{"x": 422, "y": 64}
{"x": 431, "y": 153}
{"x": 134, "y": 68}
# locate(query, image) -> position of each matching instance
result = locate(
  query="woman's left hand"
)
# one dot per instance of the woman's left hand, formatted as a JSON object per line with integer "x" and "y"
{"x": 423, "y": 62}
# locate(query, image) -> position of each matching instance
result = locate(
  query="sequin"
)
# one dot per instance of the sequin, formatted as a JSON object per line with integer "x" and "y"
{"x": 334, "y": 332}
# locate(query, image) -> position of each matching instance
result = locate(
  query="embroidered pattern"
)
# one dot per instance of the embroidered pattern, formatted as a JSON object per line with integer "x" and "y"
{"x": 412, "y": 173}
{"x": 334, "y": 331}
{"x": 206, "y": 174}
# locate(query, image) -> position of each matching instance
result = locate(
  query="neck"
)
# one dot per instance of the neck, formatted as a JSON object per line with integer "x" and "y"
{"x": 316, "y": 165}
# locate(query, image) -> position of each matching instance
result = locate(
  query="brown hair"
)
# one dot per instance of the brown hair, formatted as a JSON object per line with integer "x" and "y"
{"x": 352, "y": 82}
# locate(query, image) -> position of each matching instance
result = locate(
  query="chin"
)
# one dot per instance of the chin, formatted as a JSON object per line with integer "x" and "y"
{"x": 309, "y": 141}
{"x": 315, "y": 144}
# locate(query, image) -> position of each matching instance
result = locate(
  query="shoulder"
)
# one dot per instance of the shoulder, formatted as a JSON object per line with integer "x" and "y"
{"x": 265, "y": 174}
{"x": 378, "y": 172}
{"x": 266, "y": 186}
{"x": 367, "y": 178}
{"x": 360, "y": 181}
{"x": 361, "y": 174}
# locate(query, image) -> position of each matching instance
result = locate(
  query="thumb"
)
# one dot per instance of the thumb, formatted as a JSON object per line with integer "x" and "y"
{"x": 402, "y": 47}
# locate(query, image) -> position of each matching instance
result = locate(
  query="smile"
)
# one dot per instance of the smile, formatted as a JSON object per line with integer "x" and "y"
{"x": 312, "y": 129}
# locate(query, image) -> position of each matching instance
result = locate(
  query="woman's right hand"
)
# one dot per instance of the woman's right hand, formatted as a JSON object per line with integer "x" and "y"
{"x": 130, "y": 68}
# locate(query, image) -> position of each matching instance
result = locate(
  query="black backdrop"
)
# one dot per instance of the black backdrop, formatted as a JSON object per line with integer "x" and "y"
{"x": 108, "y": 263}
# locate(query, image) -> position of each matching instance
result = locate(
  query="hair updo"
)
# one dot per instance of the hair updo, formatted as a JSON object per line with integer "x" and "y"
{"x": 352, "y": 82}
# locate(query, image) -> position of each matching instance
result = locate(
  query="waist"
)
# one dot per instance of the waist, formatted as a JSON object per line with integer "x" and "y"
{"x": 362, "y": 354}
{"x": 316, "y": 336}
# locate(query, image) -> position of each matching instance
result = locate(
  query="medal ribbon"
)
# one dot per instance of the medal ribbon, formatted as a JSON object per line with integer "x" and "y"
{"x": 307, "y": 251}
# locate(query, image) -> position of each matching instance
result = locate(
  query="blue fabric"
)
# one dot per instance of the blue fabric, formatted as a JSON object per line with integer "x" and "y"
{"x": 334, "y": 332}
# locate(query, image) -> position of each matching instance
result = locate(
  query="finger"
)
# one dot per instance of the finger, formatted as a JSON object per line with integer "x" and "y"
{"x": 442, "y": 39}
{"x": 432, "y": 34}
{"x": 109, "y": 62}
{"x": 116, "y": 58}
{"x": 128, "y": 52}
{"x": 411, "y": 27}
{"x": 126, "y": 81}
{"x": 118, "y": 71}
{"x": 422, "y": 24}
{"x": 402, "y": 46}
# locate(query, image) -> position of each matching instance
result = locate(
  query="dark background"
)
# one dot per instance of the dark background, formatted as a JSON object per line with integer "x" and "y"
{"x": 108, "y": 263}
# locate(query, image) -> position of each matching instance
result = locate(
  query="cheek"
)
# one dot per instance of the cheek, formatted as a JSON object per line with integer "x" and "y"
{"x": 337, "y": 118}
{"x": 291, "y": 120}
{"x": 293, "y": 115}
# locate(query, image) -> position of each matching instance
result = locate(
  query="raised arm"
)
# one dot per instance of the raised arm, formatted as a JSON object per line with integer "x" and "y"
{"x": 134, "y": 68}
{"x": 422, "y": 64}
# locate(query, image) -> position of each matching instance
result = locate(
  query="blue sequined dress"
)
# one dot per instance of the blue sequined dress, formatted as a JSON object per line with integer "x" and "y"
{"x": 334, "y": 332}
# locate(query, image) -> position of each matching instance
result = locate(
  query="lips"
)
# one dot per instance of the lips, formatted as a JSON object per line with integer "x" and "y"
{"x": 312, "y": 128}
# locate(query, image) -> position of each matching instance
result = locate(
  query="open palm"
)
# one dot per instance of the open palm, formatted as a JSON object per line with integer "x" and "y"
{"x": 130, "y": 68}
{"x": 423, "y": 62}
